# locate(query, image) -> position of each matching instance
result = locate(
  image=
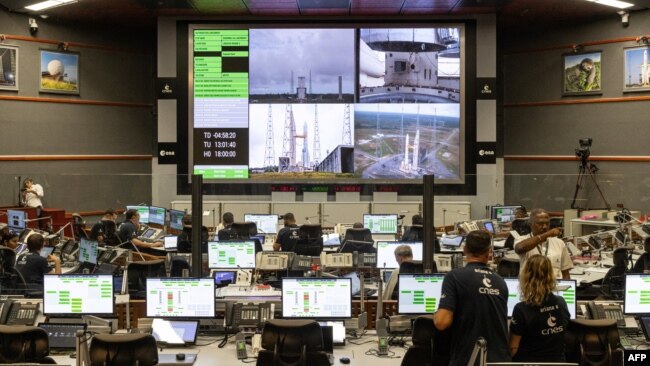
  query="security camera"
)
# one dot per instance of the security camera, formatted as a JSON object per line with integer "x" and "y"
{"x": 33, "y": 26}
{"x": 625, "y": 17}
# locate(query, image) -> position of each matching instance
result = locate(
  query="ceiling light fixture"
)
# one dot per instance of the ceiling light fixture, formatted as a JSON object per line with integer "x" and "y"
{"x": 614, "y": 3}
{"x": 48, "y": 4}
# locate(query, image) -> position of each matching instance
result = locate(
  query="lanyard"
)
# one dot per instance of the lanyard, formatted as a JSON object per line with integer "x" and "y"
{"x": 546, "y": 252}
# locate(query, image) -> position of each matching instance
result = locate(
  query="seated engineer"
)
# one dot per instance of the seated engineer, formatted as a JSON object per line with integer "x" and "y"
{"x": 104, "y": 226}
{"x": 642, "y": 264}
{"x": 32, "y": 266}
{"x": 129, "y": 229}
{"x": 539, "y": 322}
{"x": 403, "y": 254}
{"x": 288, "y": 235}
{"x": 226, "y": 234}
{"x": 415, "y": 231}
{"x": 184, "y": 243}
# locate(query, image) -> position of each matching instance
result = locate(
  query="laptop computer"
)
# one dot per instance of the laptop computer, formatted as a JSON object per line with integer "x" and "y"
{"x": 175, "y": 332}
{"x": 62, "y": 336}
{"x": 645, "y": 326}
{"x": 451, "y": 242}
{"x": 171, "y": 243}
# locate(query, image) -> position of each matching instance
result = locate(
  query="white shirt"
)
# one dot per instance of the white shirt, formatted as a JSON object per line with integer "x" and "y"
{"x": 34, "y": 200}
{"x": 553, "y": 248}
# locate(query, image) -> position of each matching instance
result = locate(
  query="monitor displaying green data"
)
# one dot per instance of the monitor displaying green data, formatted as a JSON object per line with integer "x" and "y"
{"x": 513, "y": 294}
{"x": 180, "y": 297}
{"x": 567, "y": 289}
{"x": 637, "y": 294}
{"x": 88, "y": 251}
{"x": 231, "y": 254}
{"x": 419, "y": 293}
{"x": 317, "y": 298}
{"x": 78, "y": 294}
{"x": 380, "y": 224}
{"x": 157, "y": 215}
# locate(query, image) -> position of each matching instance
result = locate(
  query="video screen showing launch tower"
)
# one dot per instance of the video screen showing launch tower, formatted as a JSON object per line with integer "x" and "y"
{"x": 302, "y": 66}
{"x": 409, "y": 65}
{"x": 407, "y": 141}
{"x": 312, "y": 141}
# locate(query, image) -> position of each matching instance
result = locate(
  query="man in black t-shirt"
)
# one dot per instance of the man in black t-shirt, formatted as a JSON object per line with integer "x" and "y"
{"x": 474, "y": 303}
{"x": 226, "y": 233}
{"x": 288, "y": 235}
{"x": 32, "y": 266}
{"x": 129, "y": 229}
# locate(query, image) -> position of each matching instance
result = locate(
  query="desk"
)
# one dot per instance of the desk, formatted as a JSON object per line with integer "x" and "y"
{"x": 211, "y": 354}
{"x": 580, "y": 227}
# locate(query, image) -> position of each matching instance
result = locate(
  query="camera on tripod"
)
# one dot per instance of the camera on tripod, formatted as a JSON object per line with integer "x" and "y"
{"x": 583, "y": 151}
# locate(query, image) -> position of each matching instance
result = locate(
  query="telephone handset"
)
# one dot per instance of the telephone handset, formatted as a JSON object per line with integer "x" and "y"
{"x": 606, "y": 311}
{"x": 469, "y": 226}
{"x": 272, "y": 261}
{"x": 249, "y": 315}
{"x": 15, "y": 313}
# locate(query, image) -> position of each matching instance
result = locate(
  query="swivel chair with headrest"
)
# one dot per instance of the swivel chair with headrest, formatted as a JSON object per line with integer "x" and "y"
{"x": 123, "y": 349}
{"x": 244, "y": 230}
{"x": 358, "y": 234}
{"x": 110, "y": 233}
{"x": 11, "y": 280}
{"x": 310, "y": 240}
{"x": 593, "y": 343}
{"x": 178, "y": 264}
{"x": 292, "y": 343}
{"x": 431, "y": 347}
{"x": 79, "y": 226}
{"x": 613, "y": 285}
{"x": 392, "y": 286}
{"x": 138, "y": 272}
{"x": 508, "y": 267}
{"x": 414, "y": 233}
{"x": 643, "y": 263}
{"x": 24, "y": 344}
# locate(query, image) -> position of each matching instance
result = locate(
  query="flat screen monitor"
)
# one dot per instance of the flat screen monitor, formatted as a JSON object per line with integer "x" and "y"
{"x": 175, "y": 332}
{"x": 380, "y": 224}
{"x": 78, "y": 294}
{"x": 180, "y": 297}
{"x": 224, "y": 278}
{"x": 567, "y": 289}
{"x": 331, "y": 240}
{"x": 386, "y": 252}
{"x": 317, "y": 298}
{"x": 143, "y": 211}
{"x": 176, "y": 219}
{"x": 513, "y": 293}
{"x": 16, "y": 219}
{"x": 62, "y": 336}
{"x": 231, "y": 254}
{"x": 88, "y": 251}
{"x": 488, "y": 226}
{"x": 637, "y": 294}
{"x": 266, "y": 224}
{"x": 503, "y": 214}
{"x": 46, "y": 251}
{"x": 452, "y": 240}
{"x": 419, "y": 293}
{"x": 171, "y": 242}
{"x": 157, "y": 215}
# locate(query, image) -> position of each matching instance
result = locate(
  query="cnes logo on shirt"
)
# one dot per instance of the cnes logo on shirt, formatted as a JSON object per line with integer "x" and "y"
{"x": 488, "y": 290}
{"x": 552, "y": 329}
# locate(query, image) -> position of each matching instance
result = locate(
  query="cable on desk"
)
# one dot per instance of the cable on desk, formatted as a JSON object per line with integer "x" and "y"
{"x": 252, "y": 361}
{"x": 361, "y": 343}
{"x": 373, "y": 352}
{"x": 210, "y": 342}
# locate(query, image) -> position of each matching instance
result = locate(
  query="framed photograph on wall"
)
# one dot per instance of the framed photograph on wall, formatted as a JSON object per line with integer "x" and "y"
{"x": 59, "y": 72}
{"x": 637, "y": 69}
{"x": 8, "y": 67}
{"x": 581, "y": 73}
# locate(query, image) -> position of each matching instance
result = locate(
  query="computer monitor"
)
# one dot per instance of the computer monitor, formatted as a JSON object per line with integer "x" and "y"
{"x": 175, "y": 332}
{"x": 78, "y": 294}
{"x": 488, "y": 226}
{"x": 180, "y": 297}
{"x": 88, "y": 250}
{"x": 380, "y": 224}
{"x": 503, "y": 214}
{"x": 157, "y": 215}
{"x": 386, "y": 252}
{"x": 452, "y": 240}
{"x": 567, "y": 289}
{"x": 231, "y": 254}
{"x": 224, "y": 278}
{"x": 637, "y": 294}
{"x": 331, "y": 240}
{"x": 266, "y": 224}
{"x": 419, "y": 293}
{"x": 317, "y": 298}
{"x": 513, "y": 293}
{"x": 176, "y": 219}
{"x": 143, "y": 211}
{"x": 46, "y": 251}
{"x": 171, "y": 242}
{"x": 62, "y": 336}
{"x": 16, "y": 219}
{"x": 645, "y": 326}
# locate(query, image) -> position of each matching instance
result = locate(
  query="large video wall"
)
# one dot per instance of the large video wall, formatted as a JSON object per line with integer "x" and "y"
{"x": 327, "y": 105}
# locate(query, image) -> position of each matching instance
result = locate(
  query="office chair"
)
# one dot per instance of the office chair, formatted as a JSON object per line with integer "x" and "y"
{"x": 11, "y": 280}
{"x": 414, "y": 233}
{"x": 392, "y": 286}
{"x": 310, "y": 240}
{"x": 138, "y": 272}
{"x": 431, "y": 347}
{"x": 292, "y": 343}
{"x": 357, "y": 234}
{"x": 593, "y": 342}
{"x": 79, "y": 226}
{"x": 244, "y": 230}
{"x": 178, "y": 264}
{"x": 123, "y": 349}
{"x": 110, "y": 233}
{"x": 24, "y": 344}
{"x": 508, "y": 267}
{"x": 521, "y": 226}
{"x": 643, "y": 263}
{"x": 613, "y": 286}
{"x": 556, "y": 222}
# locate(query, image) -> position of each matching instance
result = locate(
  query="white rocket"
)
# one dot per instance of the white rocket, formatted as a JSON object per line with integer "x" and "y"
{"x": 406, "y": 164}
{"x": 416, "y": 150}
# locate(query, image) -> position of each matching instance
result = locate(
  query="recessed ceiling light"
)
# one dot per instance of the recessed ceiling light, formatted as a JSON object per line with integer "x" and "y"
{"x": 48, "y": 4}
{"x": 614, "y": 3}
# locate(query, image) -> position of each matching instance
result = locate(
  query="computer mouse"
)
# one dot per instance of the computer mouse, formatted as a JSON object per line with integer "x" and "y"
{"x": 344, "y": 360}
{"x": 180, "y": 356}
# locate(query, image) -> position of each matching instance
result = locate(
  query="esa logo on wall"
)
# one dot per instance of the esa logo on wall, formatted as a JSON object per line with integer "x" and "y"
{"x": 167, "y": 153}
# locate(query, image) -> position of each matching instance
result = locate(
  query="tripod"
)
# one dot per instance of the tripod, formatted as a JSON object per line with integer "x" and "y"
{"x": 587, "y": 169}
